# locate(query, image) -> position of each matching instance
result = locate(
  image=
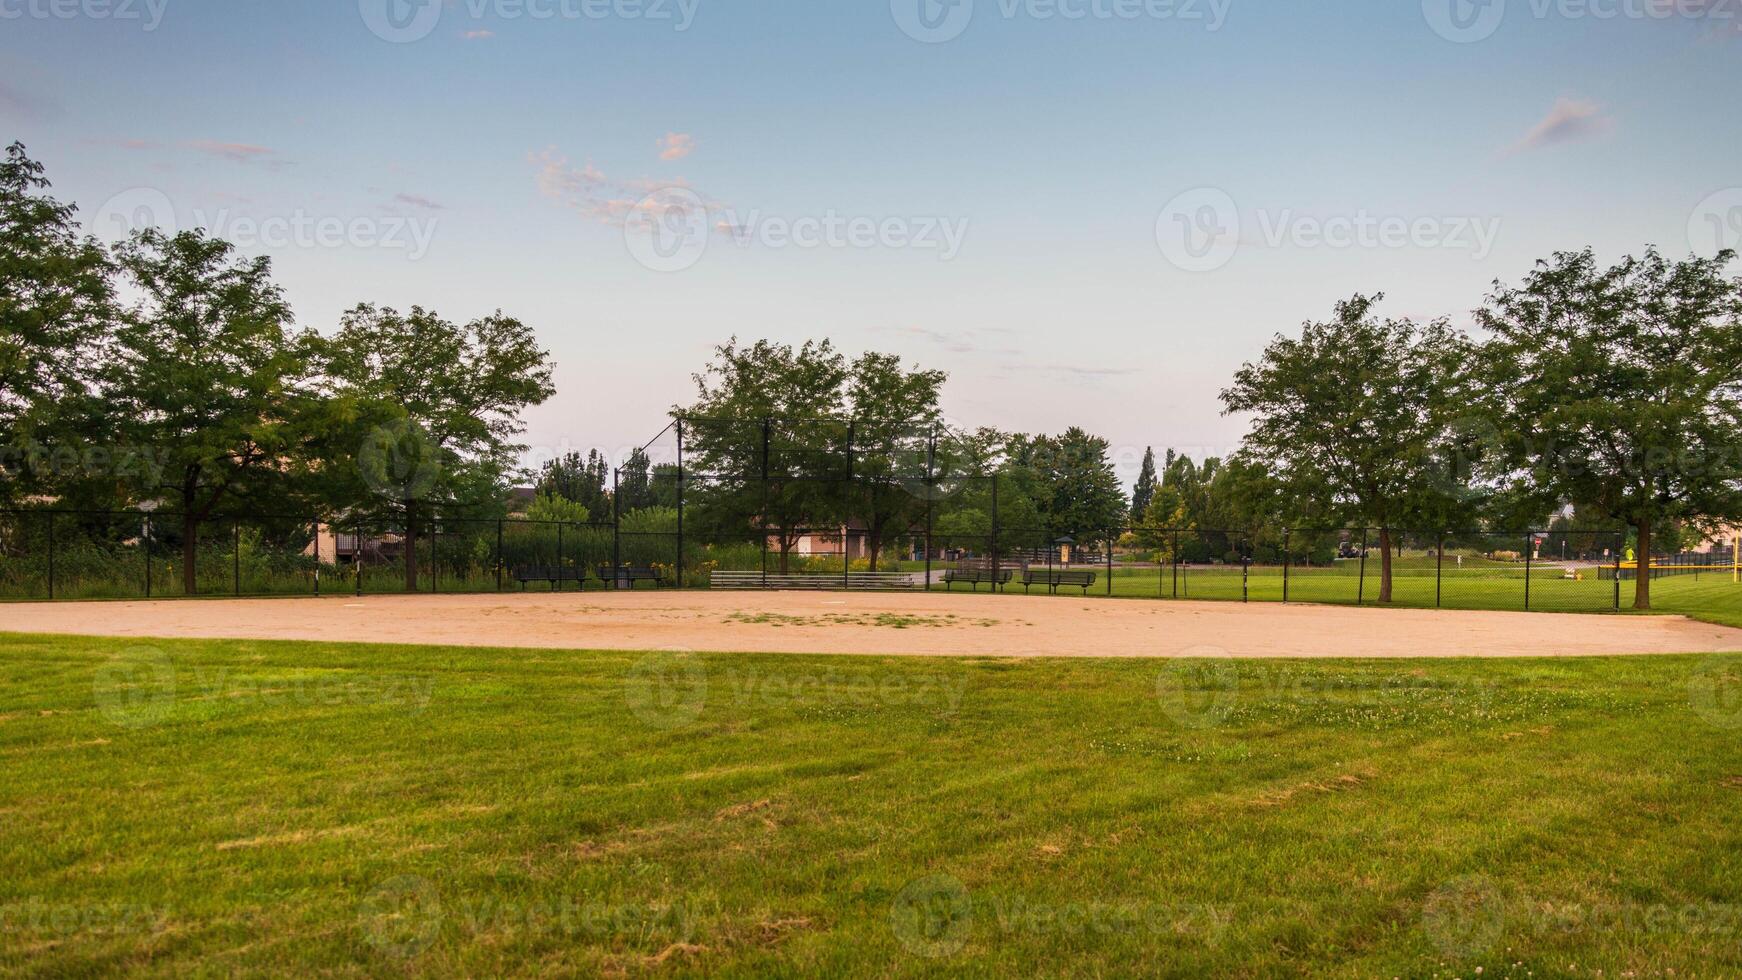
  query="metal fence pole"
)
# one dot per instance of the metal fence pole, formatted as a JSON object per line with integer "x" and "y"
{"x": 498, "y": 554}
{"x": 1109, "y": 563}
{"x": 1245, "y": 571}
{"x": 318, "y": 557}
{"x": 357, "y": 555}
{"x": 1439, "y": 565}
{"x": 994, "y": 543}
{"x": 679, "y": 570}
{"x": 1529, "y": 547}
{"x": 50, "y": 516}
{"x": 1361, "y": 586}
{"x": 559, "y": 557}
{"x": 931, "y": 496}
{"x": 1286, "y": 556}
{"x": 236, "y": 554}
{"x": 146, "y": 541}
{"x": 1619, "y": 541}
{"x": 616, "y": 528}
{"x": 1175, "y": 563}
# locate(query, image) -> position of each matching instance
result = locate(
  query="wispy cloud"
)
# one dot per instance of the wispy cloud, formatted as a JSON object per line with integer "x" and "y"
{"x": 676, "y": 146}
{"x": 18, "y": 104}
{"x": 588, "y": 191}
{"x": 1568, "y": 121}
{"x": 237, "y": 152}
{"x": 418, "y": 201}
{"x": 955, "y": 341}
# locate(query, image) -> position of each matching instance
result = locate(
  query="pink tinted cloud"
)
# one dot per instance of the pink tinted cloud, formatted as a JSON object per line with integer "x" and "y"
{"x": 236, "y": 152}
{"x": 1568, "y": 121}
{"x": 676, "y": 146}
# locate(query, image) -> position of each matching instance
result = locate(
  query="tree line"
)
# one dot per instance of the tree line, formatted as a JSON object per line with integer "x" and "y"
{"x": 167, "y": 370}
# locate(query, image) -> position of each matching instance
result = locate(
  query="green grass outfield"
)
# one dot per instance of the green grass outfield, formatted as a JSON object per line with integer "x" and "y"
{"x": 222, "y": 808}
{"x": 1711, "y": 597}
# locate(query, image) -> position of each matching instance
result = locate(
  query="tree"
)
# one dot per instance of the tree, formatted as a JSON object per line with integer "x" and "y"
{"x": 207, "y": 370}
{"x": 583, "y": 481}
{"x": 1351, "y": 414}
{"x": 752, "y": 436}
{"x": 456, "y": 394}
{"x": 895, "y": 417}
{"x": 55, "y": 316}
{"x": 634, "y": 485}
{"x": 1144, "y": 490}
{"x": 1080, "y": 493}
{"x": 1619, "y": 389}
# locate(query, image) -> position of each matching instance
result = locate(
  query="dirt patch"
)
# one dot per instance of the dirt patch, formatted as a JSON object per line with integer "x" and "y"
{"x": 858, "y": 623}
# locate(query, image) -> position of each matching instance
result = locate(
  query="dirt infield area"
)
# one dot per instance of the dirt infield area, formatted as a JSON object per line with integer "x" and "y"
{"x": 882, "y": 623}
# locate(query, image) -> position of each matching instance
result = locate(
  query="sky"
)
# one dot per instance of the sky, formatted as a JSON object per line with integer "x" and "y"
{"x": 1087, "y": 212}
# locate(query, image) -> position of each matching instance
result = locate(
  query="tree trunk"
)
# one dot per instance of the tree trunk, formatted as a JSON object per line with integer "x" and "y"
{"x": 190, "y": 541}
{"x": 874, "y": 544}
{"x": 1384, "y": 564}
{"x": 1642, "y": 569}
{"x": 409, "y": 541}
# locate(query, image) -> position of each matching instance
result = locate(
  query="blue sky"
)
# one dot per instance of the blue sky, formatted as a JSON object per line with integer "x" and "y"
{"x": 495, "y": 160}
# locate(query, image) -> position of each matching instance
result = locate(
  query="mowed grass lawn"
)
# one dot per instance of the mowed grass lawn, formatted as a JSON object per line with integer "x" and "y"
{"x": 182, "y": 807}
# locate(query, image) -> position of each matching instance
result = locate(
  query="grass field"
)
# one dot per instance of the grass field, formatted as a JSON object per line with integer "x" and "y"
{"x": 247, "y": 807}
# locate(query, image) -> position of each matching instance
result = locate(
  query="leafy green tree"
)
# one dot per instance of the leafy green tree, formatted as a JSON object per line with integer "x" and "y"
{"x": 1078, "y": 491}
{"x": 455, "y": 393}
{"x": 1144, "y": 490}
{"x": 207, "y": 370}
{"x": 56, "y": 309}
{"x": 1352, "y": 413}
{"x": 1621, "y": 388}
{"x": 895, "y": 417}
{"x": 582, "y": 480}
{"x": 752, "y": 472}
{"x": 635, "y": 481}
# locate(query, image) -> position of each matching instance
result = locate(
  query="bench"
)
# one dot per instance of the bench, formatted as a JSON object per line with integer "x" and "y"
{"x": 554, "y": 574}
{"x": 813, "y": 581}
{"x": 1052, "y": 578}
{"x": 625, "y": 576}
{"x": 975, "y": 574}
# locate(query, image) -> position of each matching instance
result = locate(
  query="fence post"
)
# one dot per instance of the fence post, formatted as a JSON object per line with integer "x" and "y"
{"x": 994, "y": 547}
{"x": 559, "y": 558}
{"x": 357, "y": 556}
{"x": 1529, "y": 547}
{"x": 931, "y": 494}
{"x": 1245, "y": 570}
{"x": 1286, "y": 556}
{"x": 147, "y": 543}
{"x": 616, "y": 528}
{"x": 318, "y": 556}
{"x": 435, "y": 562}
{"x": 1175, "y": 563}
{"x": 1621, "y": 540}
{"x": 1439, "y": 564}
{"x": 679, "y": 570}
{"x": 51, "y": 556}
{"x": 236, "y": 554}
{"x": 498, "y": 554}
{"x": 1109, "y": 563}
{"x": 1361, "y": 585}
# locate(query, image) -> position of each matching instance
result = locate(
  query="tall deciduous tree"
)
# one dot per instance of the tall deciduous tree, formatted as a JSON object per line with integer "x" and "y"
{"x": 1354, "y": 413}
{"x": 55, "y": 310}
{"x": 208, "y": 372}
{"x": 1621, "y": 388}
{"x": 455, "y": 394}
{"x": 752, "y": 469}
{"x": 895, "y": 416}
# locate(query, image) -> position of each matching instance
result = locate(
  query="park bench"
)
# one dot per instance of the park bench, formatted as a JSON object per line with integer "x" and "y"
{"x": 975, "y": 574}
{"x": 1052, "y": 578}
{"x": 625, "y": 576}
{"x": 815, "y": 581}
{"x": 553, "y": 574}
